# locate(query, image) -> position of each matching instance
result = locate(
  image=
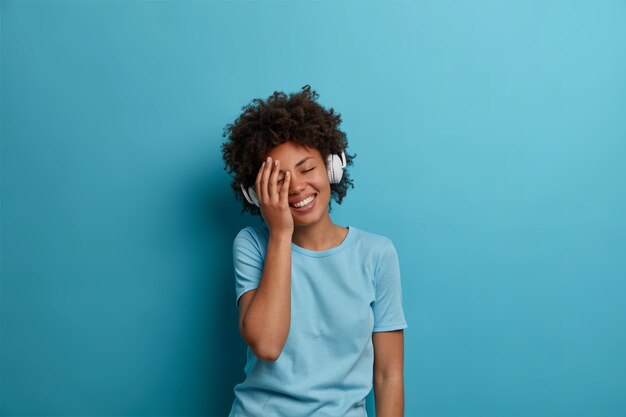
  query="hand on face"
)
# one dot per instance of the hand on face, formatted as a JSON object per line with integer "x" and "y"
{"x": 273, "y": 199}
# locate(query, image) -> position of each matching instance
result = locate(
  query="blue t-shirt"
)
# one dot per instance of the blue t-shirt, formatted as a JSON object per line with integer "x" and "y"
{"x": 339, "y": 297}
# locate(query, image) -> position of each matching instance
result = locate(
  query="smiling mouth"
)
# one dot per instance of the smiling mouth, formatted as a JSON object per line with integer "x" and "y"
{"x": 308, "y": 201}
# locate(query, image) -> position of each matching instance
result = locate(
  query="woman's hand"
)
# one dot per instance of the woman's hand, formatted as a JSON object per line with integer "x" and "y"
{"x": 273, "y": 201}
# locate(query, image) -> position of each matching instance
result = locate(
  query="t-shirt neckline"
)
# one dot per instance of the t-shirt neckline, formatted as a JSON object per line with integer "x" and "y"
{"x": 322, "y": 253}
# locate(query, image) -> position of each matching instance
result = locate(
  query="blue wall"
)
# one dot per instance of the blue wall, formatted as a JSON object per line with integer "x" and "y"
{"x": 490, "y": 140}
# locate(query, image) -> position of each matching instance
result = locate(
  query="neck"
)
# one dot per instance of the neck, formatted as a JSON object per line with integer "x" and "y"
{"x": 319, "y": 236}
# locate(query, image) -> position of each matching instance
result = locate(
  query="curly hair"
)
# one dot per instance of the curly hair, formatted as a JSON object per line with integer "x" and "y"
{"x": 265, "y": 124}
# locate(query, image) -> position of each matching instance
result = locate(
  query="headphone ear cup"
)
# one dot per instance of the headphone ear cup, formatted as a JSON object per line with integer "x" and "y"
{"x": 329, "y": 169}
{"x": 252, "y": 197}
{"x": 335, "y": 168}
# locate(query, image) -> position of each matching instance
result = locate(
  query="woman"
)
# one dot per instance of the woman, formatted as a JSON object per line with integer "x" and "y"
{"x": 320, "y": 305}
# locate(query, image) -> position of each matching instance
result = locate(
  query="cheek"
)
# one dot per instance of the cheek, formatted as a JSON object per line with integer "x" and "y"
{"x": 321, "y": 176}
{"x": 322, "y": 183}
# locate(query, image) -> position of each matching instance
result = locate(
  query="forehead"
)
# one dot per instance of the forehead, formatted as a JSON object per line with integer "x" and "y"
{"x": 289, "y": 153}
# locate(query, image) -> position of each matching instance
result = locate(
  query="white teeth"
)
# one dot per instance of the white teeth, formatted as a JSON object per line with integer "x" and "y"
{"x": 304, "y": 202}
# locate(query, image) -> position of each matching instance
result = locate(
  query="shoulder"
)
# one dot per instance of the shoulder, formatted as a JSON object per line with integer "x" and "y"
{"x": 370, "y": 239}
{"x": 378, "y": 248}
{"x": 256, "y": 232}
{"x": 256, "y": 236}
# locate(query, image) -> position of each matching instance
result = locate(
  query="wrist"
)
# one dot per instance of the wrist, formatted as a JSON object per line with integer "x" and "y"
{"x": 281, "y": 235}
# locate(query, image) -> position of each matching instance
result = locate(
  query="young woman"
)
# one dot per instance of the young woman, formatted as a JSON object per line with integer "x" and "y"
{"x": 320, "y": 305}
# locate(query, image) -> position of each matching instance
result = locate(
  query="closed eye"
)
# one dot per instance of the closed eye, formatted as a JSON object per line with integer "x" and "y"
{"x": 281, "y": 180}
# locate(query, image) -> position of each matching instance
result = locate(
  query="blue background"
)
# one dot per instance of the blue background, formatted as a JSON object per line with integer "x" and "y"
{"x": 490, "y": 140}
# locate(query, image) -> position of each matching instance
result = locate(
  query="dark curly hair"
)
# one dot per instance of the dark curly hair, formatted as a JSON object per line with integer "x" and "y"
{"x": 266, "y": 124}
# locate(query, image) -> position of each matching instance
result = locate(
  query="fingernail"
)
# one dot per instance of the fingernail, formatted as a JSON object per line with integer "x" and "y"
{"x": 268, "y": 159}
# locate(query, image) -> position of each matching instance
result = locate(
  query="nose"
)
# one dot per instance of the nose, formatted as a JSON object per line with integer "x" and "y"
{"x": 295, "y": 185}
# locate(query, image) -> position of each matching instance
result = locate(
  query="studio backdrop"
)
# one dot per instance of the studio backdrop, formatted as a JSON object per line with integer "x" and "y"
{"x": 491, "y": 148}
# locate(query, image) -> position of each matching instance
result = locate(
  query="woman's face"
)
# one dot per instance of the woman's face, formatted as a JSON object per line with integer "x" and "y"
{"x": 309, "y": 177}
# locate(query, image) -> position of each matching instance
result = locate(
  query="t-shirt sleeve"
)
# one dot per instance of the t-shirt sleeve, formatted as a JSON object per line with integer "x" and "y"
{"x": 388, "y": 311}
{"x": 247, "y": 263}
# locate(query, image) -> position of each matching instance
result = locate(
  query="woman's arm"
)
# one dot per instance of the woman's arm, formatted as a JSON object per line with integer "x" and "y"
{"x": 389, "y": 373}
{"x": 266, "y": 320}
{"x": 268, "y": 317}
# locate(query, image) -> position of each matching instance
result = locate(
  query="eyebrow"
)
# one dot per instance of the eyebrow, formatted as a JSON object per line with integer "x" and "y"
{"x": 303, "y": 161}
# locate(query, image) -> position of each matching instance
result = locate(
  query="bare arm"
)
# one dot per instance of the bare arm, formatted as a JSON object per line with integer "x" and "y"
{"x": 267, "y": 317}
{"x": 389, "y": 373}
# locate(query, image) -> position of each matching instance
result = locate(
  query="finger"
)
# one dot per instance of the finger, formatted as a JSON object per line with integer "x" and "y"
{"x": 265, "y": 178}
{"x": 284, "y": 192}
{"x": 273, "y": 186}
{"x": 257, "y": 183}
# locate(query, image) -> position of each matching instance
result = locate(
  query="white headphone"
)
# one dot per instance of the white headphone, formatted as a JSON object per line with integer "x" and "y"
{"x": 335, "y": 165}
